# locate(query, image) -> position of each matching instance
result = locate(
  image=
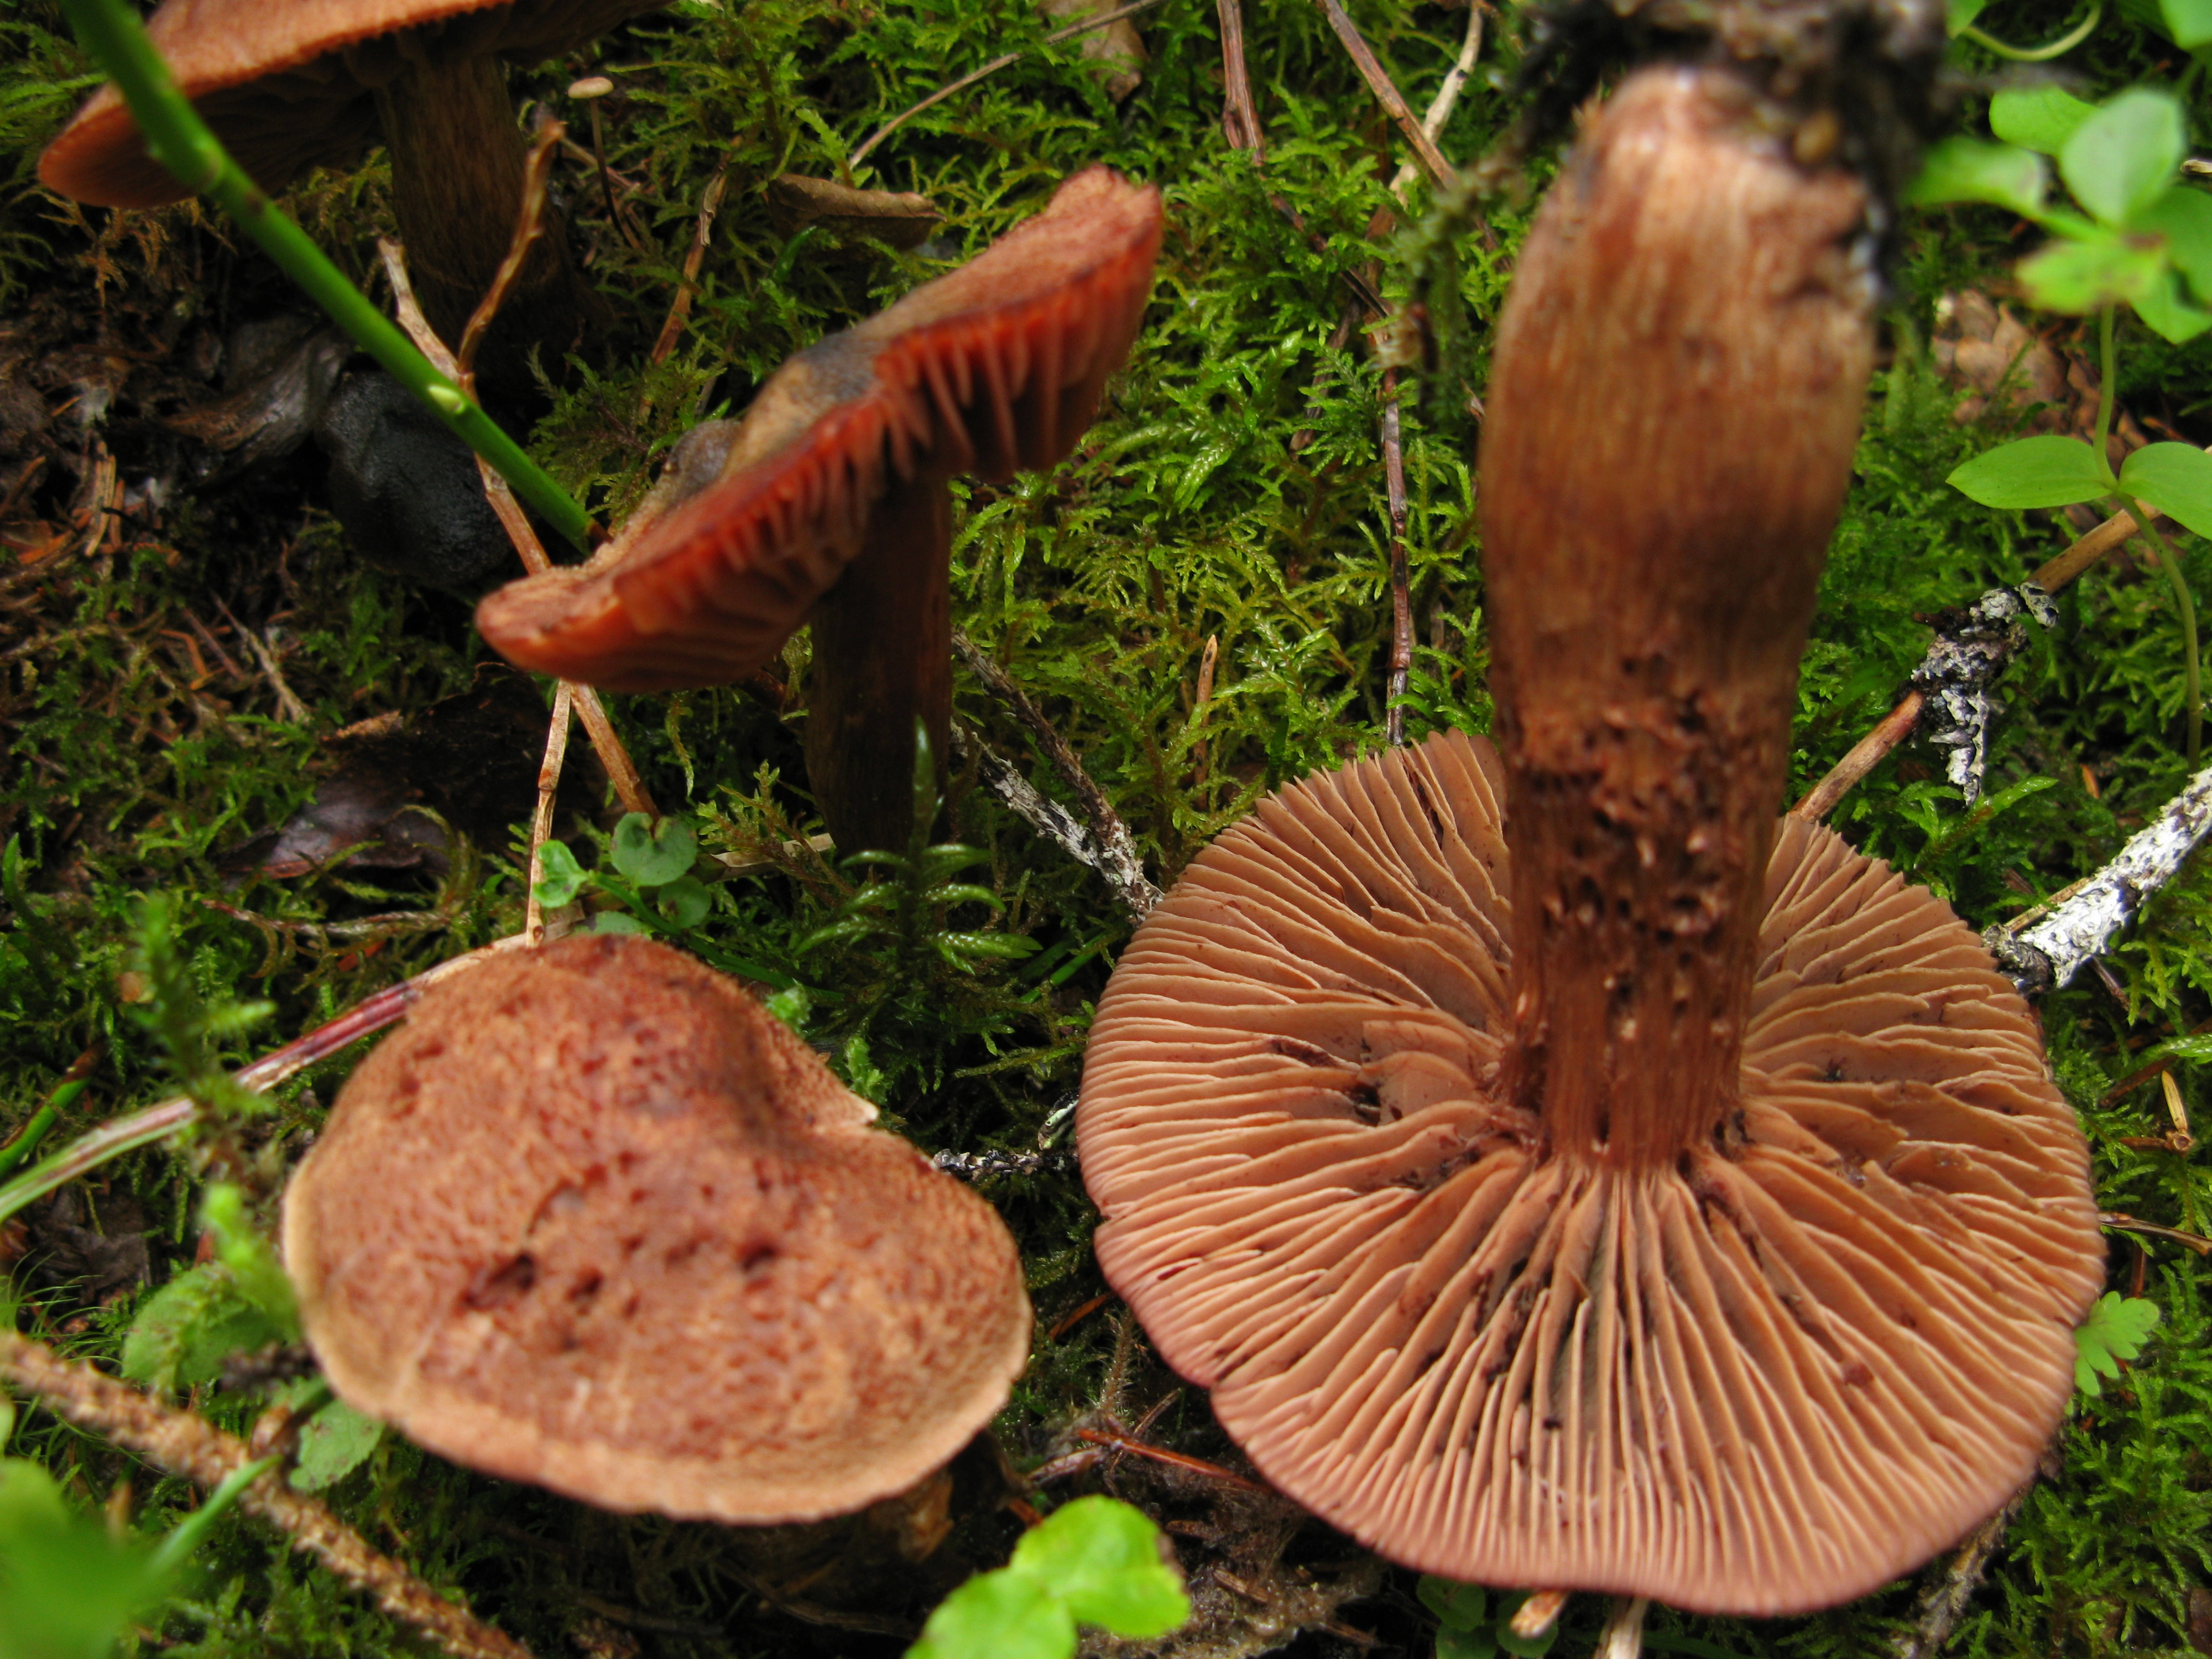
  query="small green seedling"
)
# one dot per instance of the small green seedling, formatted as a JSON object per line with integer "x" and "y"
{"x": 652, "y": 877}
{"x": 238, "y": 1302}
{"x": 2116, "y": 1329}
{"x": 69, "y": 1588}
{"x": 1469, "y": 1628}
{"x": 1095, "y": 1561}
{"x": 2146, "y": 243}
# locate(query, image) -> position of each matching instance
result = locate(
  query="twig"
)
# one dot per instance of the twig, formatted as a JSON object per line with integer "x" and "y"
{"x": 1432, "y": 160}
{"x": 287, "y": 702}
{"x": 2127, "y": 1223}
{"x": 158, "y": 1122}
{"x": 629, "y": 788}
{"x": 1402, "y": 603}
{"x": 1048, "y": 818}
{"x": 1240, "y": 116}
{"x": 1447, "y": 99}
{"x": 2044, "y": 949}
{"x": 185, "y": 1445}
{"x": 1116, "y": 858}
{"x": 528, "y": 225}
{"x": 1944, "y": 1602}
{"x": 1122, "y": 1442}
{"x": 1866, "y": 754}
{"x": 709, "y": 204}
{"x": 2135, "y": 1079}
{"x": 991, "y": 67}
{"x": 541, "y": 821}
{"x": 1898, "y": 725}
{"x": 390, "y": 924}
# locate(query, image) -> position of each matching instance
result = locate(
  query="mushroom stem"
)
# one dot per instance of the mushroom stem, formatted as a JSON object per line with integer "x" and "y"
{"x": 457, "y": 162}
{"x": 1679, "y": 379}
{"x": 883, "y": 659}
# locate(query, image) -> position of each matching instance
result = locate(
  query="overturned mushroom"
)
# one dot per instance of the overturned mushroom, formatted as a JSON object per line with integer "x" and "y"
{"x": 830, "y": 501}
{"x": 593, "y": 1219}
{"x": 1664, "y": 1208}
{"x": 309, "y": 83}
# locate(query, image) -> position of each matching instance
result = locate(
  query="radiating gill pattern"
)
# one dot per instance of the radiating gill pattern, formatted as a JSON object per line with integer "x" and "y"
{"x": 1765, "y": 1377}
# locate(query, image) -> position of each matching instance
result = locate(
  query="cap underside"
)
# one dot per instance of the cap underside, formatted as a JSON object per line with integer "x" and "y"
{"x": 595, "y": 1220}
{"x": 1765, "y": 1379}
{"x": 995, "y": 368}
{"x": 289, "y": 84}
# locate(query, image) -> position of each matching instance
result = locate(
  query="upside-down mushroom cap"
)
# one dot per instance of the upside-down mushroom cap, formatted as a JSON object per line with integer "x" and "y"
{"x": 289, "y": 84}
{"x": 1767, "y": 1378}
{"x": 993, "y": 368}
{"x": 594, "y": 1219}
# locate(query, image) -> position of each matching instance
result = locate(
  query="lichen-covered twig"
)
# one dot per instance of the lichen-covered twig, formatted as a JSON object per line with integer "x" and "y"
{"x": 1901, "y": 722}
{"x": 2044, "y": 949}
{"x": 1112, "y": 852}
{"x": 189, "y": 1445}
{"x": 1943, "y": 1602}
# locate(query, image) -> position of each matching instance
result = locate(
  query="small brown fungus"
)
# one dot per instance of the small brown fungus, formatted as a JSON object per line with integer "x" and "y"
{"x": 829, "y": 500}
{"x": 1672, "y": 1206}
{"x": 595, "y": 1219}
{"x": 303, "y": 83}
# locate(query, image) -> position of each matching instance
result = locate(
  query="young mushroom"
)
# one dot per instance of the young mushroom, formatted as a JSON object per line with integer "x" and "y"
{"x": 1665, "y": 1207}
{"x": 309, "y": 83}
{"x": 830, "y": 501}
{"x": 595, "y": 1219}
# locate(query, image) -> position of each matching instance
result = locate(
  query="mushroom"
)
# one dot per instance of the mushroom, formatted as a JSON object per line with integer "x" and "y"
{"x": 829, "y": 500}
{"x": 595, "y": 1219}
{"x": 309, "y": 83}
{"x": 1667, "y": 1208}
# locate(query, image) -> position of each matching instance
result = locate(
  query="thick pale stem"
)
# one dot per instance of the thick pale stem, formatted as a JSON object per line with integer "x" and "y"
{"x": 1679, "y": 379}
{"x": 883, "y": 658}
{"x": 458, "y": 163}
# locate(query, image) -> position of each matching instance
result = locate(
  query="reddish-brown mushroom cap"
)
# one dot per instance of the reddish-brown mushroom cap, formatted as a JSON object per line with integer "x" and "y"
{"x": 593, "y": 1219}
{"x": 1765, "y": 1377}
{"x": 995, "y": 368}
{"x": 289, "y": 86}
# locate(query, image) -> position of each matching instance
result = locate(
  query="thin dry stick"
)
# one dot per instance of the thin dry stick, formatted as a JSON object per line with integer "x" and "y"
{"x": 1208, "y": 660}
{"x": 541, "y": 821}
{"x": 709, "y": 205}
{"x": 629, "y": 788}
{"x": 1117, "y": 853}
{"x": 1387, "y": 95}
{"x": 1240, "y": 116}
{"x": 186, "y": 1444}
{"x": 528, "y": 227}
{"x": 1447, "y": 99}
{"x": 1898, "y": 725}
{"x": 991, "y": 67}
{"x": 1402, "y": 603}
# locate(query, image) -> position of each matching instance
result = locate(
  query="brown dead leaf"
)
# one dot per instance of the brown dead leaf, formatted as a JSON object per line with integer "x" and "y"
{"x": 901, "y": 218}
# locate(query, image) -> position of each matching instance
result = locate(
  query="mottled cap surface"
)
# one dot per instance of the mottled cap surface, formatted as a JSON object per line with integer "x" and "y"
{"x": 593, "y": 1219}
{"x": 993, "y": 368}
{"x": 1767, "y": 1378}
{"x": 289, "y": 84}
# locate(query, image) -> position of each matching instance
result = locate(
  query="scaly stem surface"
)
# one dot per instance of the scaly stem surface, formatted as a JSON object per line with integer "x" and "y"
{"x": 1679, "y": 380}
{"x": 180, "y": 141}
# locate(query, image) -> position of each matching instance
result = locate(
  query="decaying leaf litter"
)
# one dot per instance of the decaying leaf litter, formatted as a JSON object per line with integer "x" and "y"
{"x": 1236, "y": 492}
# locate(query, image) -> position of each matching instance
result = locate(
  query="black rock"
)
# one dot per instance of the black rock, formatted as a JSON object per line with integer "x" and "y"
{"x": 406, "y": 489}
